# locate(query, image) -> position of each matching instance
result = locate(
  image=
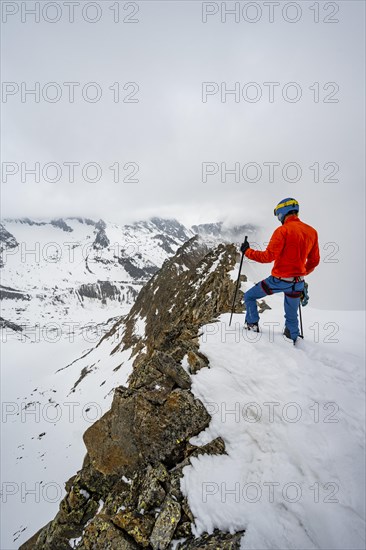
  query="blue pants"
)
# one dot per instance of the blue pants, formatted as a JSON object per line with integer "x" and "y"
{"x": 272, "y": 285}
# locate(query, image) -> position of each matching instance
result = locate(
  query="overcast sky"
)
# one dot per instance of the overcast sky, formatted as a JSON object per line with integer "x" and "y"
{"x": 161, "y": 131}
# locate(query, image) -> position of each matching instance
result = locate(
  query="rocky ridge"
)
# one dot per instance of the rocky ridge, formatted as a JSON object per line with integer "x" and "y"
{"x": 127, "y": 494}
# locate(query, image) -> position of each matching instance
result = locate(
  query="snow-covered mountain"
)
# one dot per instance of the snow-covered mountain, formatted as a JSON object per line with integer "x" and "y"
{"x": 76, "y": 270}
{"x": 67, "y": 273}
{"x": 277, "y": 464}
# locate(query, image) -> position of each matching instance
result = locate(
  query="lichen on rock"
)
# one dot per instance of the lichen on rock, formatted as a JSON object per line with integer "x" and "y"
{"x": 165, "y": 524}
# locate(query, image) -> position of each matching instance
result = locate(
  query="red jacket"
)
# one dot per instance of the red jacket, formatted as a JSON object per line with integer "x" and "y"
{"x": 293, "y": 247}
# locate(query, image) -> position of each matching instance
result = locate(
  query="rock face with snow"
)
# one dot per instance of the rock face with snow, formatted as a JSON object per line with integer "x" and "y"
{"x": 127, "y": 494}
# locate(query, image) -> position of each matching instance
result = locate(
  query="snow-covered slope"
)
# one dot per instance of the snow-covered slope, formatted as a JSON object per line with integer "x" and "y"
{"x": 292, "y": 418}
{"x": 46, "y": 407}
{"x": 78, "y": 270}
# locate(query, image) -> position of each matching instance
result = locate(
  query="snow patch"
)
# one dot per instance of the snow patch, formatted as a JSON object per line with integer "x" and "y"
{"x": 291, "y": 420}
{"x": 126, "y": 480}
{"x": 185, "y": 363}
{"x": 140, "y": 327}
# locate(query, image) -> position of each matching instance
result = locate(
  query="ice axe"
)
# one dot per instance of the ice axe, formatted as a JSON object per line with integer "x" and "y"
{"x": 237, "y": 282}
{"x": 302, "y": 330}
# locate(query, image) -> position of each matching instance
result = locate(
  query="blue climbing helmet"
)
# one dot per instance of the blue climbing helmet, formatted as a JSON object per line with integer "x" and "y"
{"x": 284, "y": 207}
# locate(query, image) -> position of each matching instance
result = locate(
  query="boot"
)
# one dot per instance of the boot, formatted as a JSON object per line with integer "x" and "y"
{"x": 286, "y": 333}
{"x": 252, "y": 326}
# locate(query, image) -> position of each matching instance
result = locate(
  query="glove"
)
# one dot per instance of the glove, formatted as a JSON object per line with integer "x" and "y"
{"x": 244, "y": 247}
{"x": 304, "y": 298}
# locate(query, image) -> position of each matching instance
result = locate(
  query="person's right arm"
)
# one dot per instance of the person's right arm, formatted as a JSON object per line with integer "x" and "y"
{"x": 273, "y": 250}
{"x": 313, "y": 257}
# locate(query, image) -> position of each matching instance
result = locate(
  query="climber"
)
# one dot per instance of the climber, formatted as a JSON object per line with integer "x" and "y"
{"x": 295, "y": 251}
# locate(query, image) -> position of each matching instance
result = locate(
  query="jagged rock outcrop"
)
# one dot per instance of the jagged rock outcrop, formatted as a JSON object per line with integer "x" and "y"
{"x": 86, "y": 221}
{"x": 142, "y": 428}
{"x": 8, "y": 324}
{"x": 127, "y": 494}
{"x": 135, "y": 267}
{"x": 190, "y": 290}
{"x": 104, "y": 290}
{"x": 171, "y": 227}
{"x": 27, "y": 221}
{"x": 13, "y": 293}
{"x": 7, "y": 241}
{"x": 101, "y": 239}
{"x": 61, "y": 224}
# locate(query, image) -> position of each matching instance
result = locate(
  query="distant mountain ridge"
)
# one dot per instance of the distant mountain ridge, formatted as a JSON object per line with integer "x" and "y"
{"x": 73, "y": 269}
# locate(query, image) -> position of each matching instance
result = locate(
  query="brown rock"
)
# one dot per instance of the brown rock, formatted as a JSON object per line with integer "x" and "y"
{"x": 197, "y": 361}
{"x": 166, "y": 364}
{"x": 137, "y": 431}
{"x": 163, "y": 429}
{"x": 110, "y": 441}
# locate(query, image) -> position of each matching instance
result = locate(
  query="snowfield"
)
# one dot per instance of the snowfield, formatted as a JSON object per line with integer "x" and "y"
{"x": 292, "y": 418}
{"x": 46, "y": 408}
